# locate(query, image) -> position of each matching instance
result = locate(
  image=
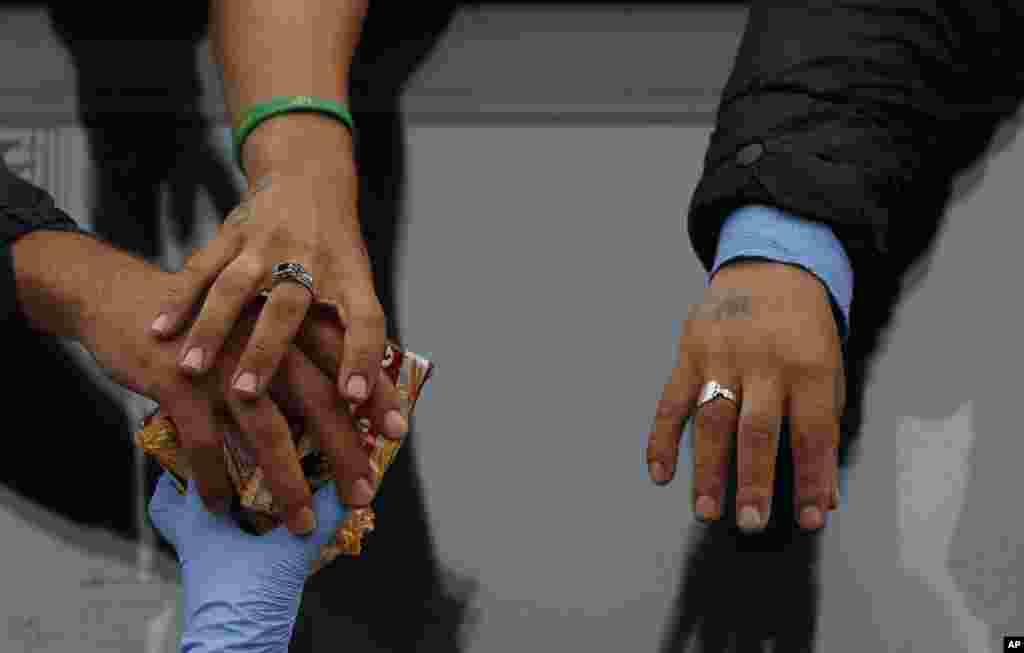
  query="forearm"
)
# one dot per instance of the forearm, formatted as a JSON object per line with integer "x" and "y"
{"x": 65, "y": 281}
{"x": 267, "y": 48}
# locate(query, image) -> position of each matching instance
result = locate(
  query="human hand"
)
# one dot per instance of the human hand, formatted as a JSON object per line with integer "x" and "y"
{"x": 766, "y": 331}
{"x": 305, "y": 215}
{"x": 205, "y": 409}
{"x": 240, "y": 589}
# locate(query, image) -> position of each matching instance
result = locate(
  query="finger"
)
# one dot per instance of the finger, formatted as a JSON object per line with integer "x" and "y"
{"x": 384, "y": 409}
{"x": 279, "y": 320}
{"x": 365, "y": 341}
{"x": 714, "y": 434}
{"x": 329, "y": 514}
{"x": 676, "y": 405}
{"x": 814, "y": 423}
{"x": 322, "y": 340}
{"x": 321, "y": 337}
{"x": 202, "y": 439}
{"x": 757, "y": 447}
{"x": 197, "y": 522}
{"x": 328, "y": 417}
{"x": 191, "y": 282}
{"x": 224, "y": 303}
{"x": 266, "y": 432}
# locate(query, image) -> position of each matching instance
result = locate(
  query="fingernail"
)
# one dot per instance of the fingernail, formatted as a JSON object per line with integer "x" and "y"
{"x": 362, "y": 492}
{"x": 161, "y": 323}
{"x": 194, "y": 359}
{"x": 659, "y": 473}
{"x": 810, "y": 518}
{"x": 304, "y": 522}
{"x": 750, "y": 519}
{"x": 395, "y": 424}
{"x": 706, "y": 508}
{"x": 246, "y": 382}
{"x": 356, "y": 388}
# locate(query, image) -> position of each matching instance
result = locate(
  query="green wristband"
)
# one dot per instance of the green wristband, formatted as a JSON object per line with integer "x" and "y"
{"x": 257, "y": 113}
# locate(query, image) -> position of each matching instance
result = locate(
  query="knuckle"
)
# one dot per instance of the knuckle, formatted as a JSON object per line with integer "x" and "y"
{"x": 177, "y": 292}
{"x": 716, "y": 419}
{"x": 811, "y": 482}
{"x": 708, "y": 480}
{"x": 759, "y": 432}
{"x": 288, "y": 307}
{"x": 321, "y": 257}
{"x": 814, "y": 363}
{"x": 247, "y": 272}
{"x": 812, "y": 448}
{"x": 284, "y": 237}
{"x": 711, "y": 459}
{"x": 191, "y": 269}
{"x": 201, "y": 442}
{"x": 672, "y": 407}
{"x": 372, "y": 318}
{"x": 660, "y": 448}
{"x": 261, "y": 352}
{"x": 235, "y": 283}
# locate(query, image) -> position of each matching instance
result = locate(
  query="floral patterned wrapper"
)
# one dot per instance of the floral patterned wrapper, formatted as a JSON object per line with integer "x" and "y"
{"x": 159, "y": 438}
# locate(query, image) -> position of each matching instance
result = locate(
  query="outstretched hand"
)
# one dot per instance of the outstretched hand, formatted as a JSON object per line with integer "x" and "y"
{"x": 766, "y": 331}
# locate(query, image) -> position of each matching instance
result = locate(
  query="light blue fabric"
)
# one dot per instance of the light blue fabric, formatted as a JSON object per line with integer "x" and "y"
{"x": 765, "y": 232}
{"x": 241, "y": 591}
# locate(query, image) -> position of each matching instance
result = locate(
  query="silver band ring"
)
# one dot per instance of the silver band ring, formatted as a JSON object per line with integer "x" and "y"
{"x": 293, "y": 272}
{"x": 713, "y": 390}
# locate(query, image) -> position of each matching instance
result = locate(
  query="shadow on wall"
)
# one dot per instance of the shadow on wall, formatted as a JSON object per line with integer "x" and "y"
{"x": 969, "y": 318}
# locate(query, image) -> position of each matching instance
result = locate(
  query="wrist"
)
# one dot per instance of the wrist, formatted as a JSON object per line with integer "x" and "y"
{"x": 223, "y": 612}
{"x": 298, "y": 142}
{"x": 223, "y": 626}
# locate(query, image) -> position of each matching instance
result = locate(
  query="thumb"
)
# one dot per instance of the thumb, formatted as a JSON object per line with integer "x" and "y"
{"x": 166, "y": 508}
{"x": 199, "y": 519}
{"x": 329, "y": 515}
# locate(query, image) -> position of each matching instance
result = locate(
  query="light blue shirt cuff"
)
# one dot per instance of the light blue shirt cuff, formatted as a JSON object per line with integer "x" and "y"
{"x": 765, "y": 232}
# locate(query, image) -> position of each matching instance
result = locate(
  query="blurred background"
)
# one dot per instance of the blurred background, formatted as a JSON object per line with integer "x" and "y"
{"x": 551, "y": 151}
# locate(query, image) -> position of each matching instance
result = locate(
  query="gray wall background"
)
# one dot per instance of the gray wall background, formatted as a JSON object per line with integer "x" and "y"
{"x": 547, "y": 272}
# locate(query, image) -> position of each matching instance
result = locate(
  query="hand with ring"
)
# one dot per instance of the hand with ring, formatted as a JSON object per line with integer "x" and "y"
{"x": 296, "y": 239}
{"x": 763, "y": 344}
{"x": 298, "y": 233}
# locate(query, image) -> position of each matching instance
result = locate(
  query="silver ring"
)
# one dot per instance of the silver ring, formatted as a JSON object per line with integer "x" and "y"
{"x": 713, "y": 390}
{"x": 293, "y": 272}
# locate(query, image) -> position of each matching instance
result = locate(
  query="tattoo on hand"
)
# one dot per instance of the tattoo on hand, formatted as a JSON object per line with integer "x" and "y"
{"x": 243, "y": 211}
{"x": 724, "y": 307}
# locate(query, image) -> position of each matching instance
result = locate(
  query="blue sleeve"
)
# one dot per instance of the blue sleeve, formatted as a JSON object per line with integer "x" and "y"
{"x": 767, "y": 233}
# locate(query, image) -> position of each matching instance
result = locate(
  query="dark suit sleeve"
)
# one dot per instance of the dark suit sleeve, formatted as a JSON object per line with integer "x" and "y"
{"x": 858, "y": 115}
{"x": 23, "y": 208}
